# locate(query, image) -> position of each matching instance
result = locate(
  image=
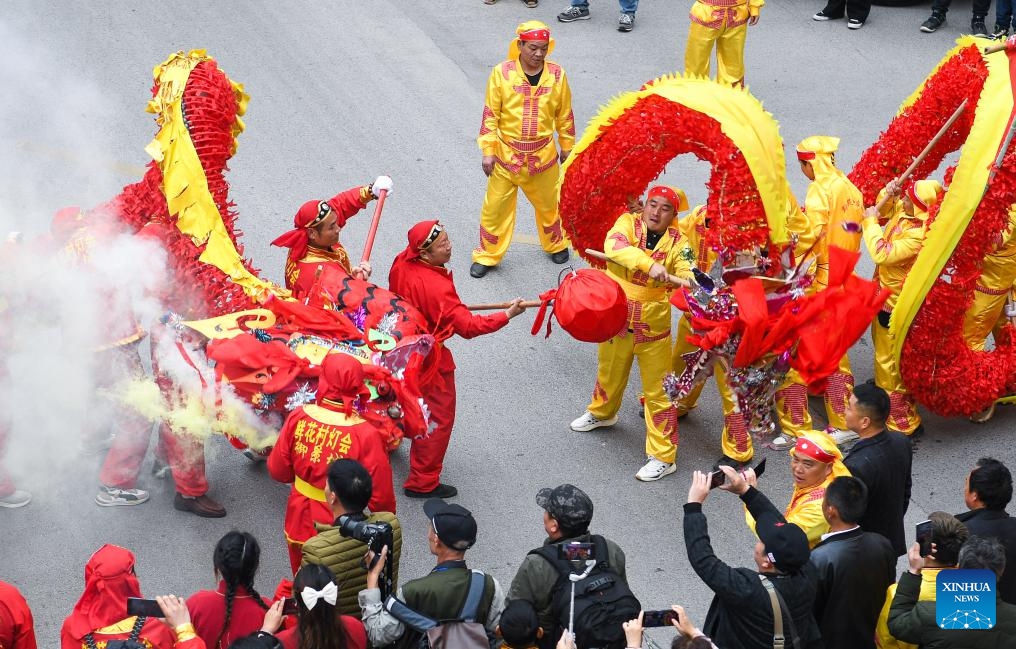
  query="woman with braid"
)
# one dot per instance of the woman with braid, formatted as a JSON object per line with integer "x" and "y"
{"x": 234, "y": 609}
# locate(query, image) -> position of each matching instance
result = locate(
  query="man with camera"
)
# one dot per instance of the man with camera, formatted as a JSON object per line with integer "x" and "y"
{"x": 341, "y": 546}
{"x": 750, "y": 610}
{"x": 441, "y": 594}
{"x": 567, "y": 513}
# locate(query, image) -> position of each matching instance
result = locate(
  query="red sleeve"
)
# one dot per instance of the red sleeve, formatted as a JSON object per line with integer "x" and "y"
{"x": 376, "y": 461}
{"x": 194, "y": 643}
{"x": 442, "y": 306}
{"x": 356, "y": 635}
{"x": 347, "y": 204}
{"x": 280, "y": 460}
{"x": 17, "y": 630}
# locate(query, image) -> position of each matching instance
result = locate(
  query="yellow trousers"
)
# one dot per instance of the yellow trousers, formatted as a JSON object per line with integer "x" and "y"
{"x": 497, "y": 217}
{"x": 615, "y": 359}
{"x": 903, "y": 415}
{"x": 792, "y": 400}
{"x": 982, "y": 317}
{"x": 735, "y": 440}
{"x": 729, "y": 52}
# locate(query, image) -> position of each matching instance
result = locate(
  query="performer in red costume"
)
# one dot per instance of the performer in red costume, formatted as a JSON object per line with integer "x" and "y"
{"x": 313, "y": 243}
{"x": 419, "y": 275}
{"x": 316, "y": 435}
{"x": 17, "y": 630}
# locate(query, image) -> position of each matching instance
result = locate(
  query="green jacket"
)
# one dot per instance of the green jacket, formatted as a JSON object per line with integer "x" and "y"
{"x": 344, "y": 556}
{"x": 915, "y": 621}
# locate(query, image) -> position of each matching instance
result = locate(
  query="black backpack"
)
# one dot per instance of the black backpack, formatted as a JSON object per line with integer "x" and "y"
{"x": 603, "y": 601}
{"x": 132, "y": 642}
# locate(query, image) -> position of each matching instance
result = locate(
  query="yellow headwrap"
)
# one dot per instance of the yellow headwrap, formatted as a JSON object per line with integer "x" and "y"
{"x": 528, "y": 26}
{"x": 826, "y": 447}
{"x": 925, "y": 194}
{"x": 819, "y": 150}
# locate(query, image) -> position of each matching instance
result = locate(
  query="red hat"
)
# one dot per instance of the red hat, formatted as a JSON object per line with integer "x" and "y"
{"x": 109, "y": 581}
{"x": 342, "y": 380}
{"x": 420, "y": 237}
{"x": 309, "y": 215}
{"x": 810, "y": 448}
{"x": 676, "y": 196}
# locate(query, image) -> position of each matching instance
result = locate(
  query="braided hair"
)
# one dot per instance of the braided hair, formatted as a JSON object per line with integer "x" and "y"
{"x": 236, "y": 559}
{"x": 321, "y": 627}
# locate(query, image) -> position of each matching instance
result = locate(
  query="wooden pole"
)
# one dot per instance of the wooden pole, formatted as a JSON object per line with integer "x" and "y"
{"x": 672, "y": 279}
{"x": 924, "y": 154}
{"x": 373, "y": 225}
{"x": 501, "y": 305}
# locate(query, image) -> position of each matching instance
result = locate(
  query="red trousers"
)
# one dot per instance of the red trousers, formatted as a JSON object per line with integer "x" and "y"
{"x": 6, "y": 484}
{"x": 133, "y": 432}
{"x": 426, "y": 455}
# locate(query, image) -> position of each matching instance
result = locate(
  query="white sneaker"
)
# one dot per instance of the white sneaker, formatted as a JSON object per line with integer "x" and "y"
{"x": 654, "y": 469}
{"x": 842, "y": 437}
{"x": 783, "y": 442}
{"x": 588, "y": 422}
{"x": 115, "y": 497}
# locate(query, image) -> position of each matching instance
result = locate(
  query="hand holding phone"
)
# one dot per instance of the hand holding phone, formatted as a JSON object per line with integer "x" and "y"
{"x": 923, "y": 537}
{"x": 143, "y": 607}
{"x": 658, "y": 618}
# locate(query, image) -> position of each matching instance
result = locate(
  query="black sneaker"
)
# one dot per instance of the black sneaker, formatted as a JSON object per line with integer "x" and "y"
{"x": 932, "y": 24}
{"x": 854, "y": 23}
{"x": 1000, "y": 33}
{"x": 823, "y": 16}
{"x": 571, "y": 14}
{"x": 978, "y": 28}
{"x": 478, "y": 270}
{"x": 440, "y": 491}
{"x": 561, "y": 256}
{"x": 626, "y": 22}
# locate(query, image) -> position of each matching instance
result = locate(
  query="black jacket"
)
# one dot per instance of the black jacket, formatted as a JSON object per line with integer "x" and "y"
{"x": 883, "y": 463}
{"x": 997, "y": 524}
{"x": 854, "y": 569}
{"x": 741, "y": 614}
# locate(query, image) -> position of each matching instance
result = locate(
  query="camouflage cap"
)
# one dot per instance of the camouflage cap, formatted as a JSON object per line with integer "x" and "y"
{"x": 569, "y": 505}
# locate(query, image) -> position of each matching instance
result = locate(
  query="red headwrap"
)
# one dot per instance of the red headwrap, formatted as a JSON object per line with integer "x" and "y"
{"x": 342, "y": 380}
{"x": 535, "y": 35}
{"x": 309, "y": 215}
{"x": 809, "y": 448}
{"x": 420, "y": 237}
{"x": 109, "y": 581}
{"x": 676, "y": 196}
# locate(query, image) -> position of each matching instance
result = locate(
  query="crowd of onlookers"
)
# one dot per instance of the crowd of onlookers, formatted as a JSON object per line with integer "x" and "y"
{"x": 836, "y": 589}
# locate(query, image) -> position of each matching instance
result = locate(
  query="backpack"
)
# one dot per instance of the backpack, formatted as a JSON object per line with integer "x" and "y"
{"x": 463, "y": 632}
{"x": 131, "y": 642}
{"x": 603, "y": 601}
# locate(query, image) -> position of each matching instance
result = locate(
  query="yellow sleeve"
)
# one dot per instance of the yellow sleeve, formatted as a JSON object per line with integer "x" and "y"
{"x": 487, "y": 140}
{"x": 887, "y": 253}
{"x": 754, "y": 6}
{"x": 810, "y": 519}
{"x": 884, "y": 639}
{"x": 843, "y": 209}
{"x": 622, "y": 250}
{"x": 677, "y": 260}
{"x": 565, "y": 120}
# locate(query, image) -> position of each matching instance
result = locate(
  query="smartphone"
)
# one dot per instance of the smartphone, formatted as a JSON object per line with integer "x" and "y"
{"x": 716, "y": 478}
{"x": 923, "y": 537}
{"x": 576, "y": 551}
{"x": 289, "y": 606}
{"x": 658, "y": 618}
{"x": 760, "y": 468}
{"x": 144, "y": 607}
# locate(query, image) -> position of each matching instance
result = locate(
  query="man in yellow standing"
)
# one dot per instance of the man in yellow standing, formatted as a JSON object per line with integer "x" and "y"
{"x": 643, "y": 251}
{"x": 894, "y": 250}
{"x": 528, "y": 99}
{"x": 725, "y": 24}
{"x": 833, "y": 209}
{"x": 735, "y": 441}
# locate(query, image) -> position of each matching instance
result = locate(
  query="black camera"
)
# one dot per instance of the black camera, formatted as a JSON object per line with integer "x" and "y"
{"x": 375, "y": 535}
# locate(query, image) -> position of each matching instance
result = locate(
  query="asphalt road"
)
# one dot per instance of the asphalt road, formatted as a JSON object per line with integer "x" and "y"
{"x": 342, "y": 92}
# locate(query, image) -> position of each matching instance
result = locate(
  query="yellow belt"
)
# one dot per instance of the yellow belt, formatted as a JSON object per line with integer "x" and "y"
{"x": 307, "y": 489}
{"x": 641, "y": 293}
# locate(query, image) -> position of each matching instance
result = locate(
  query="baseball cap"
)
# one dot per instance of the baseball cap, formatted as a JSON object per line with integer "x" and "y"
{"x": 453, "y": 524}
{"x": 569, "y": 505}
{"x": 786, "y": 544}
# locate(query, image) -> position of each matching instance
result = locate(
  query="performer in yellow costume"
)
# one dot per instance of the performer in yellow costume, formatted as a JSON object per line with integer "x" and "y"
{"x": 725, "y": 23}
{"x": 814, "y": 463}
{"x": 528, "y": 99}
{"x": 643, "y": 251}
{"x": 736, "y": 442}
{"x": 894, "y": 251}
{"x": 833, "y": 209}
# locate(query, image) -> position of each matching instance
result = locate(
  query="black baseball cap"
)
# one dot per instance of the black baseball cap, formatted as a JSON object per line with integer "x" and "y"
{"x": 569, "y": 505}
{"x": 453, "y": 524}
{"x": 785, "y": 543}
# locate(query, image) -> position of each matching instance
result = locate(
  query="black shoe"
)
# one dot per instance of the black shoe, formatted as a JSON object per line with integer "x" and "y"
{"x": 440, "y": 491}
{"x": 202, "y": 506}
{"x": 571, "y": 14}
{"x": 930, "y": 25}
{"x": 854, "y": 23}
{"x": 823, "y": 16}
{"x": 478, "y": 270}
{"x": 999, "y": 33}
{"x": 978, "y": 28}
{"x": 559, "y": 257}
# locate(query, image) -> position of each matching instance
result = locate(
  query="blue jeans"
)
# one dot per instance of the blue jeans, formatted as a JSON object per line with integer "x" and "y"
{"x": 1003, "y": 12}
{"x": 627, "y": 6}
